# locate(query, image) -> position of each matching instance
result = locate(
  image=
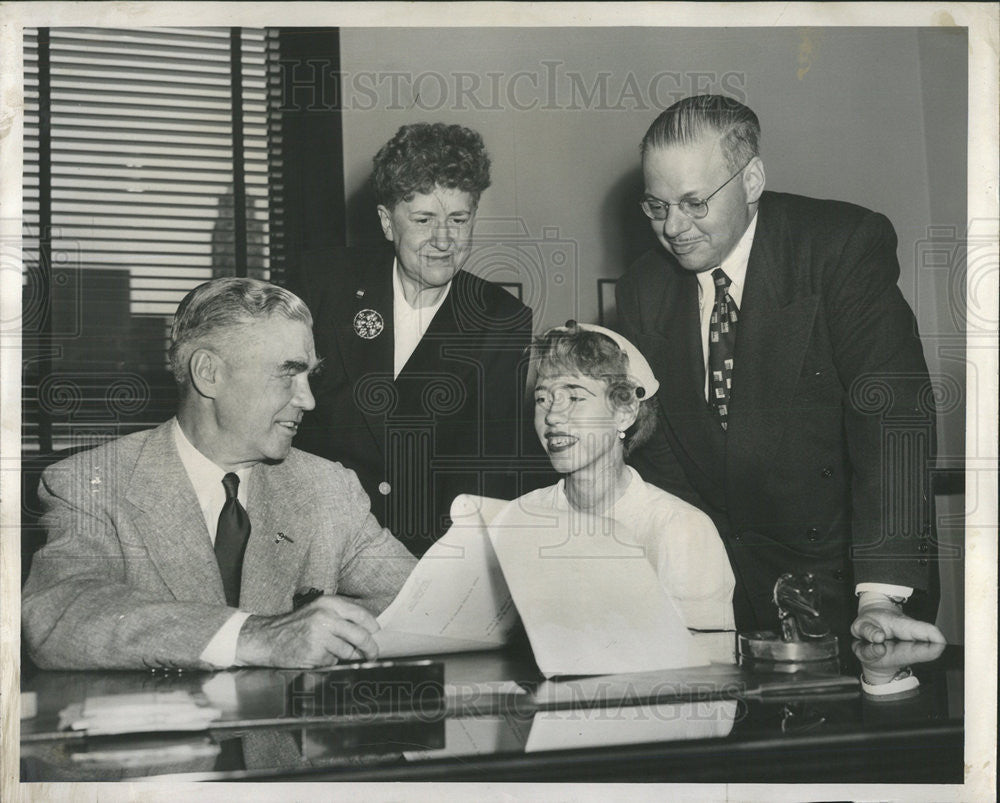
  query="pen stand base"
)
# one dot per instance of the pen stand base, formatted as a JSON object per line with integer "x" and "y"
{"x": 765, "y": 649}
{"x": 831, "y": 666}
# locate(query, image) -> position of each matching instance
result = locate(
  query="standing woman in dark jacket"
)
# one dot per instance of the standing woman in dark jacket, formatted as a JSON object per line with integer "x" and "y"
{"x": 423, "y": 381}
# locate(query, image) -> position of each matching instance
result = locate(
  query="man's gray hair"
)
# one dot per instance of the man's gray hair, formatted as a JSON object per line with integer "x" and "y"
{"x": 222, "y": 304}
{"x": 689, "y": 120}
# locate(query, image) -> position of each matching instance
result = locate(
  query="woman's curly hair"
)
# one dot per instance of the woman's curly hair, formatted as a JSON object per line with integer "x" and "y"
{"x": 424, "y": 155}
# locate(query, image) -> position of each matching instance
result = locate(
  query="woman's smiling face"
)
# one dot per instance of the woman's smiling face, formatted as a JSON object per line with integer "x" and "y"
{"x": 577, "y": 423}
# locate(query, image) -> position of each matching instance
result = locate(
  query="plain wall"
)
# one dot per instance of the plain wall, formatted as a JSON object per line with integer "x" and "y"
{"x": 874, "y": 116}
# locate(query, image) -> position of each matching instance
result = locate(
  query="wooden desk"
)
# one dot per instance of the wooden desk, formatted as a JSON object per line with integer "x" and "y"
{"x": 500, "y": 722}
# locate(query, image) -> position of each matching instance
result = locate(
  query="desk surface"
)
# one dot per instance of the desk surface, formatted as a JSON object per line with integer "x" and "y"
{"x": 498, "y": 720}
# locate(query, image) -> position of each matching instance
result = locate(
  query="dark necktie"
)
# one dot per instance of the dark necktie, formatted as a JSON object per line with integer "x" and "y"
{"x": 231, "y": 536}
{"x": 721, "y": 346}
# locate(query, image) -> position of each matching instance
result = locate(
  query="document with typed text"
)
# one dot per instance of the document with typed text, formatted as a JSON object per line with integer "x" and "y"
{"x": 589, "y": 600}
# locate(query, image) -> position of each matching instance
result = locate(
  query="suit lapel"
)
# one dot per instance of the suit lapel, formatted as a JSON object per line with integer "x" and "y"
{"x": 431, "y": 350}
{"x": 675, "y": 354}
{"x": 367, "y": 362}
{"x": 771, "y": 342}
{"x": 170, "y": 522}
{"x": 276, "y": 549}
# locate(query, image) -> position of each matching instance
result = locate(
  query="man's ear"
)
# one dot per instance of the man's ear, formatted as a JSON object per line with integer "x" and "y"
{"x": 753, "y": 180}
{"x": 206, "y": 372}
{"x": 385, "y": 218}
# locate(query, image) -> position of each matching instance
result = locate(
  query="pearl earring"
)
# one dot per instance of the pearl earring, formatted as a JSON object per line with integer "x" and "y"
{"x": 621, "y": 434}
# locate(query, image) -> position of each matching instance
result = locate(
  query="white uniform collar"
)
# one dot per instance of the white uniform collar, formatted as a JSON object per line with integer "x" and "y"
{"x": 562, "y": 501}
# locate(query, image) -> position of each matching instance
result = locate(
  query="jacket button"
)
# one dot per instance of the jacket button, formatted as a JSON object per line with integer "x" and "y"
{"x": 384, "y": 488}
{"x": 923, "y": 547}
{"x": 738, "y": 538}
{"x": 922, "y": 561}
{"x": 813, "y": 533}
{"x": 838, "y": 574}
{"x": 827, "y": 473}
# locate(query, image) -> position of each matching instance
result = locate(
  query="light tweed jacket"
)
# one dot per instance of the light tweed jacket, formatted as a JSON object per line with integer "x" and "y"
{"x": 128, "y": 577}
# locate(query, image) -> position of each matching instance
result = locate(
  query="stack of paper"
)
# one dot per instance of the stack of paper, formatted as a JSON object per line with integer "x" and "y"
{"x": 456, "y": 598}
{"x": 138, "y": 713}
{"x": 158, "y": 753}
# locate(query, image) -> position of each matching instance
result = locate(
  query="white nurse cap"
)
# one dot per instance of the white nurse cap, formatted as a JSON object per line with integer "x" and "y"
{"x": 639, "y": 370}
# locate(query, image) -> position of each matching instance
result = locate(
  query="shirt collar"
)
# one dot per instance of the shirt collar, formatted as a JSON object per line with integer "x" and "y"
{"x": 734, "y": 265}
{"x": 562, "y": 501}
{"x": 206, "y": 476}
{"x": 401, "y": 305}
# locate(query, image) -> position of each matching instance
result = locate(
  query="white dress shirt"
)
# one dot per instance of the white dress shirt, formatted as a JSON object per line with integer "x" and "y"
{"x": 408, "y": 323}
{"x": 735, "y": 267}
{"x": 206, "y": 479}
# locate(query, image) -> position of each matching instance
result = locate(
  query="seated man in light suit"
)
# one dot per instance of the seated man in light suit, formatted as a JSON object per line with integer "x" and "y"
{"x": 129, "y": 578}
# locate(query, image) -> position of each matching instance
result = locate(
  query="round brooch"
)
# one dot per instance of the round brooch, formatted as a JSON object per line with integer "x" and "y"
{"x": 368, "y": 324}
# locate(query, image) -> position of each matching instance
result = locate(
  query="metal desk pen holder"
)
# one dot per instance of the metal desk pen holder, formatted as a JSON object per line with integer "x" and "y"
{"x": 805, "y": 641}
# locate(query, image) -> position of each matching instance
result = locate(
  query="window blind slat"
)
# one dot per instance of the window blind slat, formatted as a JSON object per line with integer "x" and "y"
{"x": 141, "y": 88}
{"x": 179, "y": 35}
{"x": 128, "y": 125}
{"x": 136, "y": 210}
{"x": 179, "y": 139}
{"x": 137, "y": 62}
{"x": 142, "y": 228}
{"x": 136, "y": 101}
{"x": 192, "y": 152}
{"x": 177, "y": 116}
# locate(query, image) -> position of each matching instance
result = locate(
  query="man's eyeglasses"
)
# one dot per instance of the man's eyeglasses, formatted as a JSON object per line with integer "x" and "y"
{"x": 697, "y": 208}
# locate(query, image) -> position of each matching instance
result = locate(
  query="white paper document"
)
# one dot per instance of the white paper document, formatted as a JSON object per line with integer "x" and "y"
{"x": 456, "y": 598}
{"x": 140, "y": 712}
{"x": 598, "y": 727}
{"x": 590, "y": 601}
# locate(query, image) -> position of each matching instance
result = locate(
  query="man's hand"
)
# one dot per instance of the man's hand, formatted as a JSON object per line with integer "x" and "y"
{"x": 883, "y": 621}
{"x": 321, "y": 633}
{"x": 881, "y": 662}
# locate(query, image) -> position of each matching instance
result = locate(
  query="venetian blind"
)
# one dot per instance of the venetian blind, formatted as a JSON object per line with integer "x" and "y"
{"x": 132, "y": 173}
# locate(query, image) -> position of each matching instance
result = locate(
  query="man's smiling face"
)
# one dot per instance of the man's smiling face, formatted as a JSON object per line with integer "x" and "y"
{"x": 694, "y": 171}
{"x": 264, "y": 389}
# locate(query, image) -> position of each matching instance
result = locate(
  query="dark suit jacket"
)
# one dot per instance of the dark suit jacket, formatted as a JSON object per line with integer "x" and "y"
{"x": 128, "y": 578}
{"x": 825, "y": 464}
{"x": 451, "y": 423}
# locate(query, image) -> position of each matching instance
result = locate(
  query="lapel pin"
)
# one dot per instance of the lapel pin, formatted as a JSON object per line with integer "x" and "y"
{"x": 368, "y": 324}
{"x": 359, "y": 293}
{"x": 282, "y": 537}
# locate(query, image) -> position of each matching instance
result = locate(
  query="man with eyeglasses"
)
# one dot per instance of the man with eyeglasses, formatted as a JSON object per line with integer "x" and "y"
{"x": 790, "y": 371}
